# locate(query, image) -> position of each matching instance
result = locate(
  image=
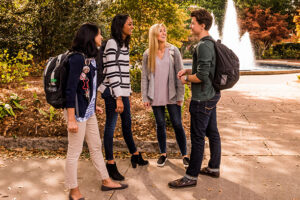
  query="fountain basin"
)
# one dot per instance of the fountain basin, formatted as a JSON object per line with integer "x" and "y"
{"x": 263, "y": 67}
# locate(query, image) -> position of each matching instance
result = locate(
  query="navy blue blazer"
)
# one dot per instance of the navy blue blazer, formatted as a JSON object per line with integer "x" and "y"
{"x": 75, "y": 94}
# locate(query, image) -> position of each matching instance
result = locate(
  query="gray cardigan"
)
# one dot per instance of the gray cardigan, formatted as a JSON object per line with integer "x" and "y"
{"x": 176, "y": 88}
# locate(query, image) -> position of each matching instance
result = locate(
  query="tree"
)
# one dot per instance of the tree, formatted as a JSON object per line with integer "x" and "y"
{"x": 217, "y": 7}
{"x": 297, "y": 22}
{"x": 264, "y": 27}
{"x": 13, "y": 32}
{"x": 146, "y": 13}
{"x": 47, "y": 26}
{"x": 276, "y": 6}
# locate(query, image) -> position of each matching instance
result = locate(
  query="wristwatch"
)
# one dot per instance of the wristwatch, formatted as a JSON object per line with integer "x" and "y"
{"x": 186, "y": 78}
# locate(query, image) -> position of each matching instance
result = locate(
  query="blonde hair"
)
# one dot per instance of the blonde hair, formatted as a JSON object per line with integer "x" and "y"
{"x": 153, "y": 45}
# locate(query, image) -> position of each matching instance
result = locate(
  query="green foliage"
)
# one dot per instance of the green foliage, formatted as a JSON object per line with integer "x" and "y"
{"x": 48, "y": 26}
{"x": 51, "y": 114}
{"x": 135, "y": 78}
{"x": 187, "y": 55}
{"x": 14, "y": 68}
{"x": 283, "y": 51}
{"x": 144, "y": 15}
{"x": 36, "y": 100}
{"x": 187, "y": 92}
{"x": 8, "y": 108}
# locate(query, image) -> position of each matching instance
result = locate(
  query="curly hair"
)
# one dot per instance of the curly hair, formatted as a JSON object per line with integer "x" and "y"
{"x": 116, "y": 29}
{"x": 203, "y": 17}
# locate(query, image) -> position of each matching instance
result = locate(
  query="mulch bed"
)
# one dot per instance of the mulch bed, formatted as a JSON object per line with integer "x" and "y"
{"x": 32, "y": 123}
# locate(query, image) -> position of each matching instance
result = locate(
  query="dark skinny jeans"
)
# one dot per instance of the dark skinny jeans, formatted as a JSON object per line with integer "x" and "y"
{"x": 175, "y": 117}
{"x": 110, "y": 124}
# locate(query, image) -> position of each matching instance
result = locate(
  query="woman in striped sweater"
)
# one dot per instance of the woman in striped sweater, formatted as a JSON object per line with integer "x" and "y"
{"x": 116, "y": 91}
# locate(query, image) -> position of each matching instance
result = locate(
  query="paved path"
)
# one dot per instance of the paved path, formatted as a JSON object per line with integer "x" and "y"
{"x": 259, "y": 122}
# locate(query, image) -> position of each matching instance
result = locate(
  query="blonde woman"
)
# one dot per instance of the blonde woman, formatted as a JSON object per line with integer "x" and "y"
{"x": 160, "y": 88}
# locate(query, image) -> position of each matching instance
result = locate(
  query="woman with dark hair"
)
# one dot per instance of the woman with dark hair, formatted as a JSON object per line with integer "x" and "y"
{"x": 116, "y": 91}
{"x": 79, "y": 112}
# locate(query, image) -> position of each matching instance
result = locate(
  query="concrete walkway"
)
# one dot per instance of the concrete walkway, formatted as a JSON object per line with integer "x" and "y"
{"x": 259, "y": 122}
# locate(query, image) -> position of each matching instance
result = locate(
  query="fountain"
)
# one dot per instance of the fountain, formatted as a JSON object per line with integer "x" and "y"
{"x": 246, "y": 53}
{"x": 214, "y": 31}
{"x": 243, "y": 48}
{"x": 231, "y": 38}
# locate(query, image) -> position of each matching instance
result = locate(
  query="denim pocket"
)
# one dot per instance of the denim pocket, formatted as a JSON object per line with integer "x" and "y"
{"x": 197, "y": 106}
{"x": 203, "y": 106}
{"x": 209, "y": 106}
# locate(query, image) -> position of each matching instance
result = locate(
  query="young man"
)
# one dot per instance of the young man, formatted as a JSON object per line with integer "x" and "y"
{"x": 203, "y": 103}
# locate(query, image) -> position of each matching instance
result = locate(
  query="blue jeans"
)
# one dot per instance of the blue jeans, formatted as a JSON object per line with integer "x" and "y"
{"x": 204, "y": 123}
{"x": 110, "y": 124}
{"x": 175, "y": 116}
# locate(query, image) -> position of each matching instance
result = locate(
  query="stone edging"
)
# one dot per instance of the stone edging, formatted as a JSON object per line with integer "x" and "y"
{"x": 41, "y": 143}
{"x": 269, "y": 72}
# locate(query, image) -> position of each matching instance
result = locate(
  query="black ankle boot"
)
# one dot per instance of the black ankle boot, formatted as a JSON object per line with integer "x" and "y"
{"x": 113, "y": 172}
{"x": 138, "y": 159}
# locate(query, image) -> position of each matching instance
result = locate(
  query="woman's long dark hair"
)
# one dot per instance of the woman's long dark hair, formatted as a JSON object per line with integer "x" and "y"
{"x": 116, "y": 29}
{"x": 84, "y": 40}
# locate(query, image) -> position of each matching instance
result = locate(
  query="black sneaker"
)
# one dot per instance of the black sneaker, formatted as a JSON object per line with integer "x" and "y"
{"x": 161, "y": 161}
{"x": 186, "y": 162}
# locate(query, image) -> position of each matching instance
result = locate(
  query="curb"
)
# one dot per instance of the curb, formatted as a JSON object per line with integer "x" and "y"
{"x": 269, "y": 72}
{"x": 41, "y": 143}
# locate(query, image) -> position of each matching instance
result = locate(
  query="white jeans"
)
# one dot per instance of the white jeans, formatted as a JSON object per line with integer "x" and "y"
{"x": 90, "y": 131}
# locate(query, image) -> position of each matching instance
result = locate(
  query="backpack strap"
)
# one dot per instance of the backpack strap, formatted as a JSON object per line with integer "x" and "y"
{"x": 117, "y": 58}
{"x": 52, "y": 76}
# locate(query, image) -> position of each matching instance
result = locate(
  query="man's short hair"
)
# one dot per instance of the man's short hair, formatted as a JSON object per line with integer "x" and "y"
{"x": 203, "y": 17}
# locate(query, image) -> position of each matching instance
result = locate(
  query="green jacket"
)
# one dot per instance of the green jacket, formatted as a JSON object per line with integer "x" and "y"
{"x": 204, "y": 63}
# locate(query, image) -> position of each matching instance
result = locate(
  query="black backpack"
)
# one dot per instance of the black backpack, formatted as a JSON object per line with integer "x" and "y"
{"x": 100, "y": 64}
{"x": 55, "y": 76}
{"x": 227, "y": 71}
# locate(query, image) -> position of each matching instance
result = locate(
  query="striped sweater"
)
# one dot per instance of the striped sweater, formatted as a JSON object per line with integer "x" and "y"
{"x": 118, "y": 80}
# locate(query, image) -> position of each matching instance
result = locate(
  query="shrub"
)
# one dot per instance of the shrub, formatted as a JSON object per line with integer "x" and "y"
{"x": 135, "y": 78}
{"x": 187, "y": 55}
{"x": 37, "y": 69}
{"x": 14, "y": 69}
{"x": 283, "y": 51}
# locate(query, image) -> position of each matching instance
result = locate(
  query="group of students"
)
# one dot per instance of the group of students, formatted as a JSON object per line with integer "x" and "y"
{"x": 163, "y": 79}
